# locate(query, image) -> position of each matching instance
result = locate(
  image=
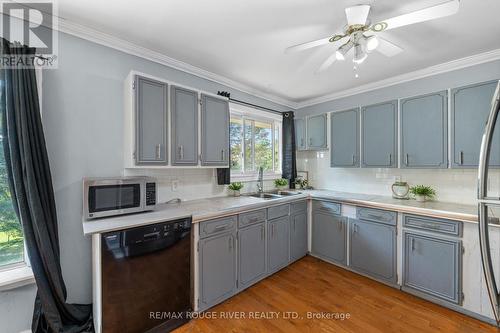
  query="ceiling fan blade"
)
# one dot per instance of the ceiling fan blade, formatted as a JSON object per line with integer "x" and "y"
{"x": 357, "y": 14}
{"x": 442, "y": 10}
{"x": 327, "y": 63}
{"x": 308, "y": 45}
{"x": 387, "y": 48}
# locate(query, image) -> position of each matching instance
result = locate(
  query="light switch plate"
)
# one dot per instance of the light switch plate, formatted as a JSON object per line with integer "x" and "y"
{"x": 175, "y": 185}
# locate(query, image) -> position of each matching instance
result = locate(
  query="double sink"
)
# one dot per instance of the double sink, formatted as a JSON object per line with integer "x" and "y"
{"x": 274, "y": 195}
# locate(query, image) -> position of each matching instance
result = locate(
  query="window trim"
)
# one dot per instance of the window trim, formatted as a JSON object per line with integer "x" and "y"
{"x": 244, "y": 112}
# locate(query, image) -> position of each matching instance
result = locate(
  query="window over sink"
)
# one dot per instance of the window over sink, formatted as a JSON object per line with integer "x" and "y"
{"x": 255, "y": 138}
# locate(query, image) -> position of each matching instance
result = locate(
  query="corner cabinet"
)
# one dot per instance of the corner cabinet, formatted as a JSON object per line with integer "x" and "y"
{"x": 379, "y": 144}
{"x": 311, "y": 133}
{"x": 424, "y": 135}
{"x": 151, "y": 114}
{"x": 344, "y": 146}
{"x": 184, "y": 117}
{"x": 168, "y": 125}
{"x": 214, "y": 131}
{"x": 470, "y": 108}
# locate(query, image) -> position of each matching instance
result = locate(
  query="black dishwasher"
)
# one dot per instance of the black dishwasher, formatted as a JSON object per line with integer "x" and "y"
{"x": 146, "y": 277}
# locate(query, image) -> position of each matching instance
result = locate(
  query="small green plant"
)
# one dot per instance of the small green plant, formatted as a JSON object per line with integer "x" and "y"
{"x": 423, "y": 190}
{"x": 236, "y": 186}
{"x": 281, "y": 182}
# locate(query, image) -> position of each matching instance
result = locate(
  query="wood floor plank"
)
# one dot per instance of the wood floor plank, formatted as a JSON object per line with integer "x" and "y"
{"x": 311, "y": 285}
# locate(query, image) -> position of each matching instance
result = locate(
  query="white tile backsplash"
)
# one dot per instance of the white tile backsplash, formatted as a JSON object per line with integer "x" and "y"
{"x": 196, "y": 183}
{"x": 452, "y": 185}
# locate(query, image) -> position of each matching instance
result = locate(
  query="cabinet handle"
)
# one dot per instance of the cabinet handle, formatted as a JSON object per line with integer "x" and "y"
{"x": 310, "y": 141}
{"x": 294, "y": 224}
{"x": 413, "y": 244}
{"x": 158, "y": 151}
{"x": 220, "y": 227}
{"x": 461, "y": 157}
{"x": 390, "y": 159}
{"x": 181, "y": 152}
{"x": 406, "y": 159}
{"x": 302, "y": 142}
{"x": 262, "y": 233}
{"x": 272, "y": 231}
{"x": 355, "y": 228}
{"x": 222, "y": 155}
{"x": 230, "y": 243}
{"x": 353, "y": 159}
{"x": 339, "y": 225}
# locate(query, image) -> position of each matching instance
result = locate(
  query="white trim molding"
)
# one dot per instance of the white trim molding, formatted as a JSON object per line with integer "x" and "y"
{"x": 116, "y": 43}
{"x": 411, "y": 76}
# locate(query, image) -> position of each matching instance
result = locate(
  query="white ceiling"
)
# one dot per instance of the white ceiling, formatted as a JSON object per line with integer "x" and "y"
{"x": 244, "y": 40}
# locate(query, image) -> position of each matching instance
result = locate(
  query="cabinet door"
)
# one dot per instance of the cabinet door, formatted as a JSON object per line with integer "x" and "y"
{"x": 372, "y": 249}
{"x": 214, "y": 131}
{"x": 424, "y": 138}
{"x": 252, "y": 254}
{"x": 217, "y": 269}
{"x": 433, "y": 266}
{"x": 278, "y": 243}
{"x": 379, "y": 135}
{"x": 316, "y": 132}
{"x": 298, "y": 236}
{"x": 470, "y": 108}
{"x": 329, "y": 236}
{"x": 344, "y": 146}
{"x": 151, "y": 116}
{"x": 184, "y": 115}
{"x": 300, "y": 134}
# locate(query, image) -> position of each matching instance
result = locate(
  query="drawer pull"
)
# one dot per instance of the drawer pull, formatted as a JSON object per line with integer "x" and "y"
{"x": 431, "y": 226}
{"x": 220, "y": 227}
{"x": 373, "y": 216}
{"x": 230, "y": 243}
{"x": 262, "y": 233}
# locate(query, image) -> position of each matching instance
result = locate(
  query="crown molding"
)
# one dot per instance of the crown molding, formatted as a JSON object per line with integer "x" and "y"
{"x": 415, "y": 75}
{"x": 102, "y": 38}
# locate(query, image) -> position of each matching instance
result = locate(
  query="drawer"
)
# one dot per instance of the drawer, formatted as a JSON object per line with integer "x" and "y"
{"x": 278, "y": 211}
{"x": 377, "y": 215}
{"x": 218, "y": 226}
{"x": 297, "y": 207}
{"x": 447, "y": 227}
{"x": 252, "y": 217}
{"x": 328, "y": 206}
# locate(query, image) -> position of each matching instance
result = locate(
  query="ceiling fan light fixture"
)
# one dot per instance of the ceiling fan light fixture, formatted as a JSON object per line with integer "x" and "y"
{"x": 339, "y": 55}
{"x": 371, "y": 43}
{"x": 342, "y": 51}
{"x": 359, "y": 54}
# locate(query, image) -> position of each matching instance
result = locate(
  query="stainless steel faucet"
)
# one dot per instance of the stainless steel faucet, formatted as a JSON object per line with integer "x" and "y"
{"x": 260, "y": 184}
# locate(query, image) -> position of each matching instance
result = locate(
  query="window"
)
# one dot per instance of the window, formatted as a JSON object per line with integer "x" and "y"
{"x": 255, "y": 138}
{"x": 11, "y": 235}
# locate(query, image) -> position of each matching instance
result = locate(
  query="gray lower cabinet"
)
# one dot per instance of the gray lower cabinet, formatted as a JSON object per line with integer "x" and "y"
{"x": 372, "y": 249}
{"x": 184, "y": 119}
{"x": 251, "y": 254}
{"x": 470, "y": 108}
{"x": 151, "y": 108}
{"x": 316, "y": 132}
{"x": 298, "y": 235}
{"x": 379, "y": 135}
{"x": 214, "y": 131}
{"x": 344, "y": 145}
{"x": 217, "y": 264}
{"x": 329, "y": 236}
{"x": 300, "y": 134}
{"x": 424, "y": 135}
{"x": 432, "y": 266}
{"x": 278, "y": 243}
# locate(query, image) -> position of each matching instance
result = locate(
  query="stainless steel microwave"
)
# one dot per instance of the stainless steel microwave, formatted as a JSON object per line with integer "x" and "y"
{"x": 118, "y": 196}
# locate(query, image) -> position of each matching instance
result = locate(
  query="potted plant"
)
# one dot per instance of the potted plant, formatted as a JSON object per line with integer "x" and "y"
{"x": 302, "y": 183}
{"x": 281, "y": 183}
{"x": 422, "y": 192}
{"x": 236, "y": 187}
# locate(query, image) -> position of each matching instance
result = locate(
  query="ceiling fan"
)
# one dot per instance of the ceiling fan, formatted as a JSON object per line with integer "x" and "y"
{"x": 362, "y": 35}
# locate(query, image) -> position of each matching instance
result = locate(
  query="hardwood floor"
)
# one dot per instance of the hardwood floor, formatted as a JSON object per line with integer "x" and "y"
{"x": 311, "y": 285}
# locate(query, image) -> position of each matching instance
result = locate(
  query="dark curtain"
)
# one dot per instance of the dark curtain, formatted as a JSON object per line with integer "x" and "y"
{"x": 289, "y": 163}
{"x": 30, "y": 184}
{"x": 223, "y": 176}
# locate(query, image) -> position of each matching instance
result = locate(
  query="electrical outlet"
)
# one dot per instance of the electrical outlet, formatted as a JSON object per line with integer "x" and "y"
{"x": 175, "y": 185}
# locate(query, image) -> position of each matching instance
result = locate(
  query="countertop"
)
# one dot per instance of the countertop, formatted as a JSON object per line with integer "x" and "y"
{"x": 205, "y": 209}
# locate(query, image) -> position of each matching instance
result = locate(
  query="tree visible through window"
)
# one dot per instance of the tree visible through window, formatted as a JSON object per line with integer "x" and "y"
{"x": 254, "y": 143}
{"x": 11, "y": 236}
